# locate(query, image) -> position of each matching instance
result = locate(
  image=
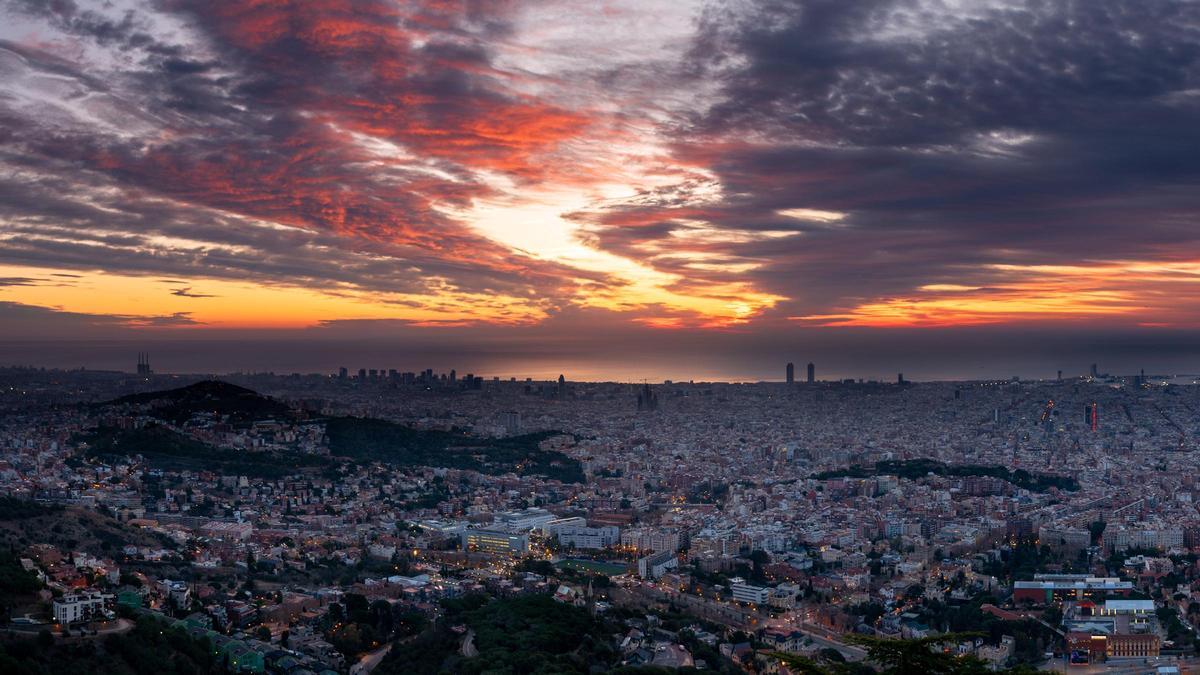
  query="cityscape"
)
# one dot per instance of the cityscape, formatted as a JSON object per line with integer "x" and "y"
{"x": 355, "y": 521}
{"x": 609, "y": 337}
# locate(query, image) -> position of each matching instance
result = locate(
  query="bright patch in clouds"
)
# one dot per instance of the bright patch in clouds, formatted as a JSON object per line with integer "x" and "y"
{"x": 814, "y": 215}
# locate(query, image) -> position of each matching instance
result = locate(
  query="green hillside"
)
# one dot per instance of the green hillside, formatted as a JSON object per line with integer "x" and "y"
{"x": 379, "y": 440}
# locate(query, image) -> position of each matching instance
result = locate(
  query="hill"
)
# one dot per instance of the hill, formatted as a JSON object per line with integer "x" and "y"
{"x": 379, "y": 440}
{"x": 525, "y": 634}
{"x": 238, "y": 404}
{"x": 350, "y": 438}
{"x": 918, "y": 468}
{"x": 167, "y": 449}
{"x": 150, "y": 647}
{"x": 68, "y": 528}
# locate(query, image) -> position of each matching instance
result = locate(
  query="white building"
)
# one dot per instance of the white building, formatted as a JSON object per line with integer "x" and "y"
{"x": 651, "y": 539}
{"x": 81, "y": 607}
{"x": 575, "y": 532}
{"x": 524, "y": 520}
{"x": 744, "y": 592}
{"x": 656, "y": 564}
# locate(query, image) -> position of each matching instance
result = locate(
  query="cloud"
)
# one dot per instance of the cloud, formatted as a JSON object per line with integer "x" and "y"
{"x": 186, "y": 292}
{"x": 299, "y": 142}
{"x": 774, "y": 159}
{"x": 946, "y": 141}
{"x": 23, "y": 321}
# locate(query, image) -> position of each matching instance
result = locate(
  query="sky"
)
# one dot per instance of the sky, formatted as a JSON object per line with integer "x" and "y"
{"x": 640, "y": 187}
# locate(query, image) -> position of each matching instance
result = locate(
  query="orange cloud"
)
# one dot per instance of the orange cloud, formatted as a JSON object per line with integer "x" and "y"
{"x": 1135, "y": 292}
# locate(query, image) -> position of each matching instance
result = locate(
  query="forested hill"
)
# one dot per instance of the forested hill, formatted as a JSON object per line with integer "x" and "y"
{"x": 919, "y": 468}
{"x": 168, "y": 443}
{"x": 388, "y": 442}
{"x": 237, "y": 404}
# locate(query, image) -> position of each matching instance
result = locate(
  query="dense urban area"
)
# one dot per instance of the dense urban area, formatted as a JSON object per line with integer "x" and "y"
{"x": 379, "y": 521}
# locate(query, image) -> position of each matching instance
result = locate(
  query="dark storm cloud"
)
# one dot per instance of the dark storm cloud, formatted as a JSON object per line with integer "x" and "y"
{"x": 1034, "y": 133}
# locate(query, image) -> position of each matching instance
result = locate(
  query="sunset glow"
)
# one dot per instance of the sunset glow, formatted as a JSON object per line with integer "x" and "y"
{"x": 288, "y": 165}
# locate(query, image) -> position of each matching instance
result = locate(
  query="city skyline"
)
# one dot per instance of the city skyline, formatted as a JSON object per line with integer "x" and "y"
{"x": 725, "y": 181}
{"x": 445, "y": 373}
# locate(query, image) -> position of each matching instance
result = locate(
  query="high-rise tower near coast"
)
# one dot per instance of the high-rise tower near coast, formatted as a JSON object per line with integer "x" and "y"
{"x": 143, "y": 364}
{"x": 647, "y": 400}
{"x": 791, "y": 373}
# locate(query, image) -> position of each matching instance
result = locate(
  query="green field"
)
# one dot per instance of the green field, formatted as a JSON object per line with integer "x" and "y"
{"x": 594, "y": 566}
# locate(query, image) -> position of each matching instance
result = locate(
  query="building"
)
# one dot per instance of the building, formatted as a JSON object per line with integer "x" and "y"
{"x": 812, "y": 373}
{"x": 1065, "y": 539}
{"x": 791, "y": 373}
{"x": 81, "y": 607}
{"x": 574, "y": 532}
{"x": 177, "y": 592}
{"x": 744, "y": 592}
{"x": 647, "y": 400}
{"x": 651, "y": 540}
{"x": 1133, "y": 645}
{"x": 1085, "y": 648}
{"x": 495, "y": 541}
{"x": 525, "y": 519}
{"x": 511, "y": 420}
{"x": 1047, "y": 588}
{"x": 143, "y": 364}
{"x": 1121, "y": 538}
{"x": 656, "y": 564}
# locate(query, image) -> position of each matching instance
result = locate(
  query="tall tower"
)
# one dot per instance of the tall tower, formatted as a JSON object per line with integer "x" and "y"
{"x": 791, "y": 373}
{"x": 812, "y": 373}
{"x": 647, "y": 400}
{"x": 143, "y": 364}
{"x": 562, "y": 387}
{"x": 1095, "y": 371}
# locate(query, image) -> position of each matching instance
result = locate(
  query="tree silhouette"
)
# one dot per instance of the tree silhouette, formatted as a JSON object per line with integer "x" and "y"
{"x": 922, "y": 656}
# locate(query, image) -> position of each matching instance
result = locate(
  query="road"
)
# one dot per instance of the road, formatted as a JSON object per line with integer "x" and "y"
{"x": 370, "y": 660}
{"x": 1125, "y": 666}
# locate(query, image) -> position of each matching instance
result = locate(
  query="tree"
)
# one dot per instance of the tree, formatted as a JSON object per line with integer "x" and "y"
{"x": 263, "y": 633}
{"x": 758, "y": 558}
{"x": 45, "y": 639}
{"x": 920, "y": 656}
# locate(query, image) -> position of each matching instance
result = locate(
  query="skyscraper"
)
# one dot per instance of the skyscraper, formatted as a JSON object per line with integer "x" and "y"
{"x": 791, "y": 373}
{"x": 562, "y": 387}
{"x": 143, "y": 364}
{"x": 812, "y": 373}
{"x": 647, "y": 400}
